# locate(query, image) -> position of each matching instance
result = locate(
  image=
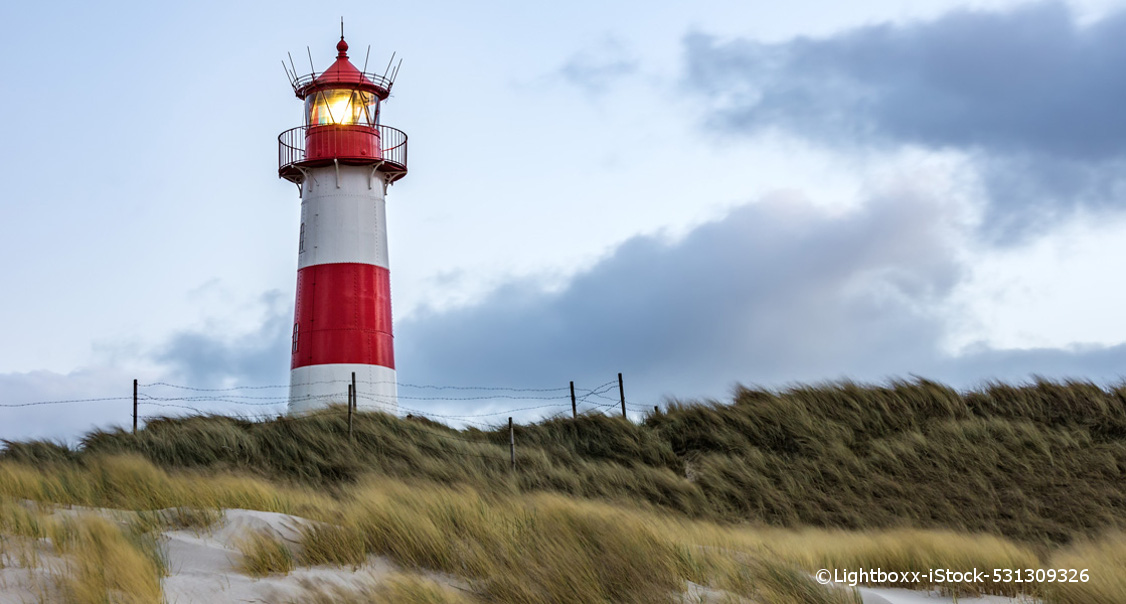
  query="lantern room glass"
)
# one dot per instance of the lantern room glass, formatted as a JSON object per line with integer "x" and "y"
{"x": 341, "y": 106}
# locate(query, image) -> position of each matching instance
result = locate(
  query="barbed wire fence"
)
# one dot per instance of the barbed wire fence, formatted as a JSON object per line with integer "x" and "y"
{"x": 273, "y": 400}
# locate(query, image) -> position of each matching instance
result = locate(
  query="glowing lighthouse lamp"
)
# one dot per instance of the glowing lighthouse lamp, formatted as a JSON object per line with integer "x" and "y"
{"x": 342, "y": 160}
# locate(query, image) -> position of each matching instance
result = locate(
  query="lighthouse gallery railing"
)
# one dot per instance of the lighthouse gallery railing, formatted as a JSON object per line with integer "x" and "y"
{"x": 393, "y": 145}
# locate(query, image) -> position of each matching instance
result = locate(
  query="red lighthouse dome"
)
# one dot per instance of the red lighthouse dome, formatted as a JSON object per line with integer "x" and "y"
{"x": 342, "y": 122}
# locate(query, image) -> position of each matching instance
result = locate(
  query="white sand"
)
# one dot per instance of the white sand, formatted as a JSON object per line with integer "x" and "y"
{"x": 202, "y": 566}
{"x": 905, "y": 596}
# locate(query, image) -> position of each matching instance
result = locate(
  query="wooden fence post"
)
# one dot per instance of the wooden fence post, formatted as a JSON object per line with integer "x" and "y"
{"x": 134, "y": 407}
{"x": 622, "y": 394}
{"x": 512, "y": 444}
{"x": 351, "y": 397}
{"x": 355, "y": 394}
{"x": 574, "y": 408}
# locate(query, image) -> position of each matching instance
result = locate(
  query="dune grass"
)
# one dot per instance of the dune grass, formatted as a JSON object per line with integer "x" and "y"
{"x": 92, "y": 560}
{"x": 197, "y": 520}
{"x": 747, "y": 497}
{"x": 1040, "y": 462}
{"x": 1106, "y": 559}
{"x": 264, "y": 554}
{"x": 532, "y": 547}
{"x": 106, "y": 563}
{"x": 545, "y": 548}
{"x": 131, "y": 482}
{"x": 400, "y": 588}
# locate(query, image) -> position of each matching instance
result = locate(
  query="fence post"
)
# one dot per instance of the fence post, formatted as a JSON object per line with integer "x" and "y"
{"x": 656, "y": 409}
{"x": 355, "y": 393}
{"x": 351, "y": 396}
{"x": 134, "y": 407}
{"x": 622, "y": 394}
{"x": 574, "y": 409}
{"x": 512, "y": 444}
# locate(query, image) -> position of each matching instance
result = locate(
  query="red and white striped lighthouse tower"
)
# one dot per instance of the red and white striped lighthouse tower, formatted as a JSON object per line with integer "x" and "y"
{"x": 342, "y": 160}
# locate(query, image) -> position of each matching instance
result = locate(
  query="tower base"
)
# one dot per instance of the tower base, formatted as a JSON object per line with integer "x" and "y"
{"x": 315, "y": 387}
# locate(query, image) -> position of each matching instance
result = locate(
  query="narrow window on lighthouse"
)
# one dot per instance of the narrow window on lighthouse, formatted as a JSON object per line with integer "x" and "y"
{"x": 301, "y": 244}
{"x": 372, "y": 103}
{"x": 295, "y": 325}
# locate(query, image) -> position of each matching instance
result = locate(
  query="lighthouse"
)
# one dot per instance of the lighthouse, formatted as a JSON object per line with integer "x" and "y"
{"x": 342, "y": 160}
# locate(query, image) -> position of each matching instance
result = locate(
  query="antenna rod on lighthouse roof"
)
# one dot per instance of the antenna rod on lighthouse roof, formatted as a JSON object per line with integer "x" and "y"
{"x": 368, "y": 55}
{"x": 385, "y": 71}
{"x": 342, "y": 27}
{"x": 292, "y": 65}
{"x": 310, "y": 59}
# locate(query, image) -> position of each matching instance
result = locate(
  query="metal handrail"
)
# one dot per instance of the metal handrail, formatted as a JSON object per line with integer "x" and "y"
{"x": 374, "y": 78}
{"x": 392, "y": 142}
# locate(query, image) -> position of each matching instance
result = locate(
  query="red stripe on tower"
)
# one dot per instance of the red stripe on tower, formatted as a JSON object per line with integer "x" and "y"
{"x": 343, "y": 316}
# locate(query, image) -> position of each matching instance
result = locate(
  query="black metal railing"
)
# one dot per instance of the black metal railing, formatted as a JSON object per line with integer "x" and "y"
{"x": 392, "y": 142}
{"x": 394, "y": 145}
{"x": 378, "y": 79}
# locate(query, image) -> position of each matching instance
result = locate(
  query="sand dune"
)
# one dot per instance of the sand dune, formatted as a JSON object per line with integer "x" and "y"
{"x": 202, "y": 570}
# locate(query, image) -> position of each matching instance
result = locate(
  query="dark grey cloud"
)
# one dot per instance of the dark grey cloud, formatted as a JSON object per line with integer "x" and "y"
{"x": 1029, "y": 79}
{"x": 205, "y": 359}
{"x": 1033, "y": 93}
{"x": 774, "y": 293}
{"x": 1029, "y": 193}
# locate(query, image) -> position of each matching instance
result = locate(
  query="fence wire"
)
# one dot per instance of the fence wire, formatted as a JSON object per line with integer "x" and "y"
{"x": 194, "y": 399}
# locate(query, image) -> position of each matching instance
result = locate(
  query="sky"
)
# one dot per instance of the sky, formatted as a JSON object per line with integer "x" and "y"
{"x": 696, "y": 195}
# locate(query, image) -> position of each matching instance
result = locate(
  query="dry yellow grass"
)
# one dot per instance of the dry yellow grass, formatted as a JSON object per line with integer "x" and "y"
{"x": 21, "y": 521}
{"x": 264, "y": 554}
{"x": 899, "y": 551}
{"x": 104, "y": 563}
{"x": 88, "y": 558}
{"x": 508, "y": 547}
{"x": 533, "y": 549}
{"x": 1105, "y": 560}
{"x": 22, "y": 530}
{"x": 194, "y": 519}
{"x": 131, "y": 482}
{"x": 548, "y": 548}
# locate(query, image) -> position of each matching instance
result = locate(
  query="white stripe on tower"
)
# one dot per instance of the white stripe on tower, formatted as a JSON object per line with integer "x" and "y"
{"x": 345, "y": 223}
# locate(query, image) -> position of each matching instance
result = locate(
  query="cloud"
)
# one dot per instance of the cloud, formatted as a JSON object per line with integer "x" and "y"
{"x": 1028, "y": 193}
{"x": 90, "y": 387}
{"x": 198, "y": 359}
{"x": 775, "y": 291}
{"x": 1101, "y": 364}
{"x": 205, "y": 359}
{"x": 1032, "y": 93}
{"x": 596, "y": 69}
